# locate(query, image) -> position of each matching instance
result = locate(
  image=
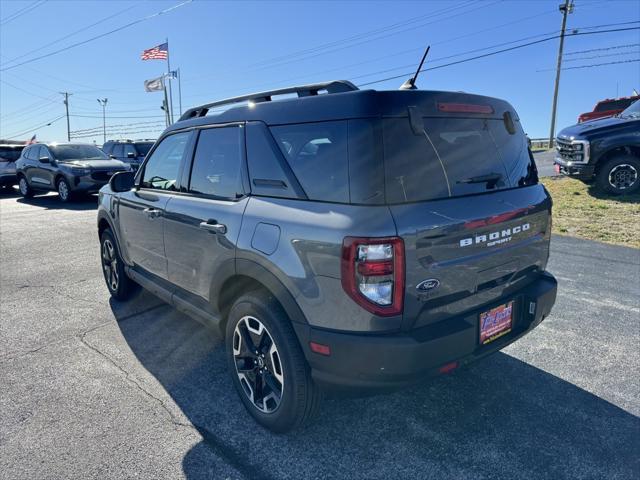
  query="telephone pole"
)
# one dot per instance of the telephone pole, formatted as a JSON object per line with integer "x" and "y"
{"x": 66, "y": 104}
{"x": 103, "y": 102}
{"x": 566, "y": 8}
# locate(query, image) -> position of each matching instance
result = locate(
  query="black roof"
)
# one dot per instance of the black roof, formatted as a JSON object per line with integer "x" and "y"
{"x": 343, "y": 101}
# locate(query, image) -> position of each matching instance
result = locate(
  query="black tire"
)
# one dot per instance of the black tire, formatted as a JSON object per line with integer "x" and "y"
{"x": 619, "y": 176}
{"x": 25, "y": 189}
{"x": 64, "y": 190}
{"x": 120, "y": 286}
{"x": 300, "y": 397}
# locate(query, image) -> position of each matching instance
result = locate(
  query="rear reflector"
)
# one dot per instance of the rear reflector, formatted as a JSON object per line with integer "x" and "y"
{"x": 464, "y": 108}
{"x": 449, "y": 367}
{"x": 320, "y": 348}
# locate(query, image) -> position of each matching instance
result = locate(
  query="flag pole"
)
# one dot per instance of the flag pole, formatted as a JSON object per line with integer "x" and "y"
{"x": 166, "y": 104}
{"x": 169, "y": 75}
{"x": 180, "y": 91}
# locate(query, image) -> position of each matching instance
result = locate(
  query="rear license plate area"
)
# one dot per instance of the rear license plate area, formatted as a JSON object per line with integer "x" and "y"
{"x": 496, "y": 322}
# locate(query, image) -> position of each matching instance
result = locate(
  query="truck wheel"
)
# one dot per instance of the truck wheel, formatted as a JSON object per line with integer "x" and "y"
{"x": 25, "y": 189}
{"x": 620, "y": 175}
{"x": 267, "y": 366}
{"x": 64, "y": 190}
{"x": 120, "y": 286}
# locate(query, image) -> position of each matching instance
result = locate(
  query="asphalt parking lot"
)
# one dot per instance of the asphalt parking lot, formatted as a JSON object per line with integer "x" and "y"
{"x": 93, "y": 388}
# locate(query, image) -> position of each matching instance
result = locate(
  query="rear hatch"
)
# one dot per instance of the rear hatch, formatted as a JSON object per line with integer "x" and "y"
{"x": 463, "y": 191}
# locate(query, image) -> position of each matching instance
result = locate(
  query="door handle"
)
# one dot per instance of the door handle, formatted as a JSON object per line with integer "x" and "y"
{"x": 213, "y": 227}
{"x": 152, "y": 212}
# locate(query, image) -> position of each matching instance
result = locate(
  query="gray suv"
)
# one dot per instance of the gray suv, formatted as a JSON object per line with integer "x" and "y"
{"x": 344, "y": 240}
{"x": 67, "y": 168}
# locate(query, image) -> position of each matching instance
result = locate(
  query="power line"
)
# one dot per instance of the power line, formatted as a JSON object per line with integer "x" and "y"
{"x": 593, "y": 65}
{"x": 68, "y": 47}
{"x": 109, "y": 118}
{"x": 275, "y": 65}
{"x": 614, "y": 47}
{"x": 70, "y": 34}
{"x": 395, "y": 77}
{"x": 617, "y": 54}
{"x": 120, "y": 125}
{"x": 22, "y": 11}
{"x": 35, "y": 128}
{"x": 361, "y": 35}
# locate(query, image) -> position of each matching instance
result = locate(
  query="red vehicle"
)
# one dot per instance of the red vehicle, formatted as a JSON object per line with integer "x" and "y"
{"x": 608, "y": 108}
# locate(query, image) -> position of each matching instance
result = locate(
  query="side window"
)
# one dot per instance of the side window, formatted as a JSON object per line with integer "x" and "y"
{"x": 217, "y": 164}
{"x": 36, "y": 152}
{"x": 318, "y": 156}
{"x": 117, "y": 151}
{"x": 44, "y": 152}
{"x": 128, "y": 148}
{"x": 161, "y": 170}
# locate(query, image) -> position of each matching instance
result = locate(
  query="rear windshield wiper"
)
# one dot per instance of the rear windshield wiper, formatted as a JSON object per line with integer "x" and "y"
{"x": 491, "y": 179}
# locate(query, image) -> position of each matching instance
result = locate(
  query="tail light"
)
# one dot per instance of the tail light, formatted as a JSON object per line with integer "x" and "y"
{"x": 373, "y": 273}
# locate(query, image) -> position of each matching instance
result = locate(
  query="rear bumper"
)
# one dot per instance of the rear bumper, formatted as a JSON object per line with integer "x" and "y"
{"x": 576, "y": 170}
{"x": 361, "y": 363}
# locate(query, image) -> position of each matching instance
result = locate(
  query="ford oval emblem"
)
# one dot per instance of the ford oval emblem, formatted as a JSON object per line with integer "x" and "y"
{"x": 427, "y": 285}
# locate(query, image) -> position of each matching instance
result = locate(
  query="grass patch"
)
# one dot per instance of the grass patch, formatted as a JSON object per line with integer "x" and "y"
{"x": 579, "y": 210}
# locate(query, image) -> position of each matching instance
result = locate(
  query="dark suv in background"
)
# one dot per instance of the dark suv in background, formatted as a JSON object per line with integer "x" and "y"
{"x": 345, "y": 239}
{"x": 131, "y": 152}
{"x": 8, "y": 156}
{"x": 67, "y": 168}
{"x": 605, "y": 151}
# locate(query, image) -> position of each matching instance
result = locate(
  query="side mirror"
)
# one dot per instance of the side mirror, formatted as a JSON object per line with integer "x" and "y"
{"x": 112, "y": 156}
{"x": 122, "y": 181}
{"x": 44, "y": 160}
{"x": 131, "y": 155}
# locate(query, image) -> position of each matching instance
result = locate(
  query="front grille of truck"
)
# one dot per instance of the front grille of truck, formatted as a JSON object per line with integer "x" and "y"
{"x": 568, "y": 151}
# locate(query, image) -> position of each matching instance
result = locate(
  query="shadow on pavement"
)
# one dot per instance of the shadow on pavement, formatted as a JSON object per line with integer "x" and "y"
{"x": 52, "y": 202}
{"x": 502, "y": 418}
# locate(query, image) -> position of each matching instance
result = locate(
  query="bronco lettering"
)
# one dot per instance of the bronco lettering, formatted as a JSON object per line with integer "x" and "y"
{"x": 496, "y": 238}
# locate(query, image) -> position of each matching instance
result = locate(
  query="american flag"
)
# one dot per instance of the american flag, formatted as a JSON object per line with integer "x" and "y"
{"x": 159, "y": 52}
{"x": 33, "y": 140}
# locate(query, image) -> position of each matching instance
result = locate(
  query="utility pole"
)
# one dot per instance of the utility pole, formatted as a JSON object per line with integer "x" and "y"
{"x": 103, "y": 102}
{"x": 180, "y": 91}
{"x": 66, "y": 104}
{"x": 566, "y": 8}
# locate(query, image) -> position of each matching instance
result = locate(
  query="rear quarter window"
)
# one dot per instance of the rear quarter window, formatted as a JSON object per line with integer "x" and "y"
{"x": 318, "y": 156}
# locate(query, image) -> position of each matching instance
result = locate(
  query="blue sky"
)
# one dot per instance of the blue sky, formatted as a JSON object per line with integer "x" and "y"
{"x": 230, "y": 48}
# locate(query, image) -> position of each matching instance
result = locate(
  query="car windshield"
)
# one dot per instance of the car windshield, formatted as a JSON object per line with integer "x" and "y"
{"x": 143, "y": 148}
{"x": 65, "y": 153}
{"x": 632, "y": 111}
{"x": 10, "y": 153}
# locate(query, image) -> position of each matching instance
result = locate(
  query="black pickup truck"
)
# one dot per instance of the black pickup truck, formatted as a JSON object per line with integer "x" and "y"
{"x": 605, "y": 150}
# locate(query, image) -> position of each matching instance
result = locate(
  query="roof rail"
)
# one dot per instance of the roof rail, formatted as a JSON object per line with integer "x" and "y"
{"x": 334, "y": 86}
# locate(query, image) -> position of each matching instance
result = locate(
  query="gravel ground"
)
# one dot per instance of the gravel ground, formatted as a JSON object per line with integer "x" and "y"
{"x": 93, "y": 388}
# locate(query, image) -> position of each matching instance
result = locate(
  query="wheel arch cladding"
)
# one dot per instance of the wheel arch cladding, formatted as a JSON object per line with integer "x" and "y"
{"x": 252, "y": 276}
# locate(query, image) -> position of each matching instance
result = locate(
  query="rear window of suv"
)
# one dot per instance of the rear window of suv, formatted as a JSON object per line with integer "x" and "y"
{"x": 453, "y": 157}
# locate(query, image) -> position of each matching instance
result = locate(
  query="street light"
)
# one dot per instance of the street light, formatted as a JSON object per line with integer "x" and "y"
{"x": 103, "y": 102}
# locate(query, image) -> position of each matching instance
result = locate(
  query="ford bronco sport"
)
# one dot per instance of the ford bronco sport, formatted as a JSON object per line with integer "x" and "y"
{"x": 345, "y": 239}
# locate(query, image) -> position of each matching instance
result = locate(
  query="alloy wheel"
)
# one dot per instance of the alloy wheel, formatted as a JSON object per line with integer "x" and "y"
{"x": 110, "y": 264}
{"x": 623, "y": 176}
{"x": 63, "y": 190}
{"x": 258, "y": 364}
{"x": 22, "y": 185}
